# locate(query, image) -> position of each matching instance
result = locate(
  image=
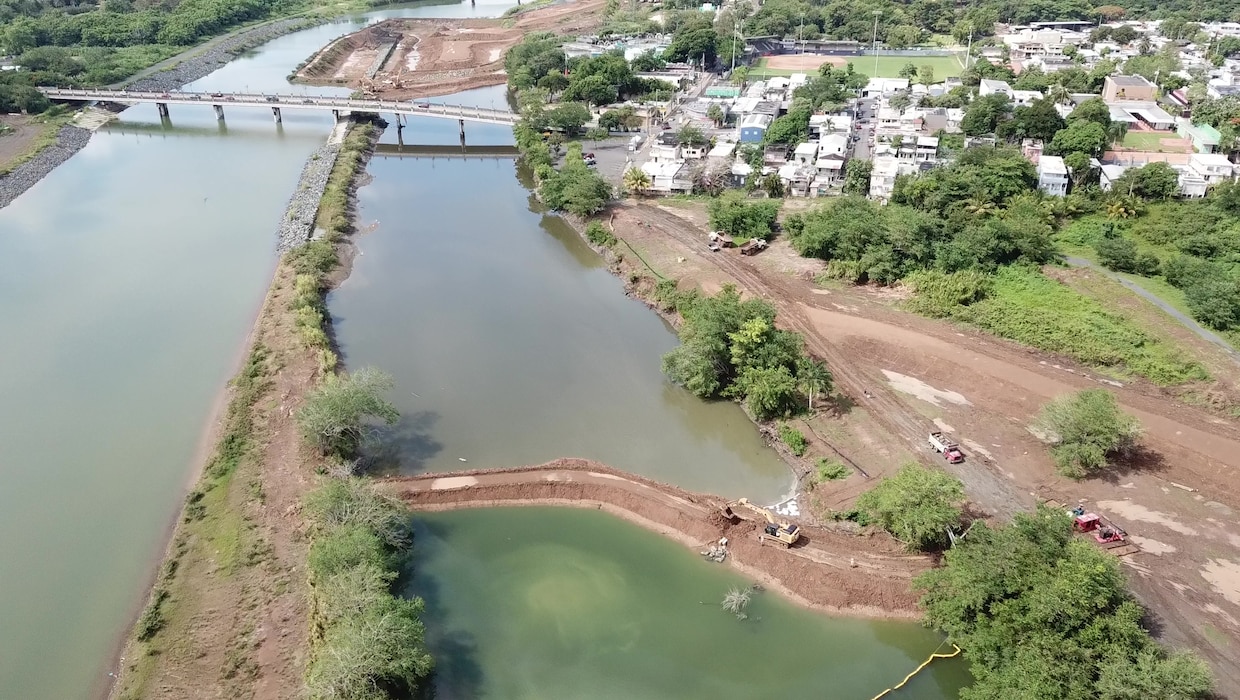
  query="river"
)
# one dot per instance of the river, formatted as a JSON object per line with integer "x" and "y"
{"x": 130, "y": 276}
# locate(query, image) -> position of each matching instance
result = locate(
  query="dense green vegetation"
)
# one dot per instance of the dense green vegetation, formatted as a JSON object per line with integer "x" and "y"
{"x": 731, "y": 349}
{"x": 1087, "y": 430}
{"x": 1193, "y": 245}
{"x": 736, "y": 216}
{"x": 575, "y": 187}
{"x": 368, "y": 642}
{"x": 794, "y": 439}
{"x": 916, "y": 506}
{"x": 538, "y": 61}
{"x": 1041, "y": 614}
{"x": 83, "y": 44}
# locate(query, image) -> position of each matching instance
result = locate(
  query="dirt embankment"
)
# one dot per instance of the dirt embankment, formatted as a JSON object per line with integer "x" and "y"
{"x": 402, "y": 59}
{"x": 231, "y": 599}
{"x": 865, "y": 574}
{"x": 899, "y": 375}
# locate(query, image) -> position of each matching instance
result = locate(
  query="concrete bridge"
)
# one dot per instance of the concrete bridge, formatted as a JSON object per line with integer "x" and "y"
{"x": 337, "y": 105}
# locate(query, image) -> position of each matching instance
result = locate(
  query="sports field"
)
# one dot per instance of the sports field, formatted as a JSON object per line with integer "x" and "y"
{"x": 888, "y": 66}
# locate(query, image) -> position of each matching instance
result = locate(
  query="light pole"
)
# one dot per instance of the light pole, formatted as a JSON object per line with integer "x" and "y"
{"x": 800, "y": 32}
{"x": 735, "y": 31}
{"x": 875, "y": 41}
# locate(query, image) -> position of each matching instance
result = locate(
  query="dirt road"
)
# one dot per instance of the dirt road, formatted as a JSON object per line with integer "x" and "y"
{"x": 1178, "y": 499}
{"x": 856, "y": 574}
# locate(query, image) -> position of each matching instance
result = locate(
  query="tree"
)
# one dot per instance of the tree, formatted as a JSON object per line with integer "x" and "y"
{"x": 575, "y": 188}
{"x": 648, "y": 61}
{"x": 693, "y": 45}
{"x": 570, "y": 116}
{"x": 901, "y": 37}
{"x": 636, "y": 181}
{"x": 1092, "y": 110}
{"x": 908, "y": 70}
{"x": 926, "y": 74}
{"x": 690, "y": 135}
{"x": 334, "y": 416}
{"x": 915, "y": 506}
{"x": 857, "y": 176}
{"x": 1039, "y": 121}
{"x": 1087, "y": 429}
{"x": 592, "y": 89}
{"x": 773, "y": 185}
{"x": 900, "y": 101}
{"x": 1154, "y": 674}
{"x": 1079, "y": 165}
{"x": 715, "y": 114}
{"x": 813, "y": 377}
{"x": 553, "y": 82}
{"x": 769, "y": 392}
{"x": 793, "y": 127}
{"x": 733, "y": 214}
{"x": 983, "y": 115}
{"x": 1153, "y": 181}
{"x": 1080, "y": 136}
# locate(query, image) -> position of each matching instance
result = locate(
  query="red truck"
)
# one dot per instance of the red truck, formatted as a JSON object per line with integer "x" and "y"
{"x": 951, "y": 451}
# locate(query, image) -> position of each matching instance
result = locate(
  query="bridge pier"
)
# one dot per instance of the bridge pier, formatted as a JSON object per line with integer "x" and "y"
{"x": 462, "y": 123}
{"x": 162, "y": 108}
{"x": 219, "y": 112}
{"x": 336, "y": 114}
{"x": 275, "y": 111}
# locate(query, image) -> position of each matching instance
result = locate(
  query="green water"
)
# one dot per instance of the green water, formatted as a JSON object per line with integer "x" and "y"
{"x": 549, "y": 603}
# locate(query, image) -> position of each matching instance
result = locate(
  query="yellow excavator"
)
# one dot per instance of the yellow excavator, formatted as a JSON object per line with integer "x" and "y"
{"x": 772, "y": 530}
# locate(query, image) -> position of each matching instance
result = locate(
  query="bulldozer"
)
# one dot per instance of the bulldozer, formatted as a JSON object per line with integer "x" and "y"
{"x": 772, "y": 530}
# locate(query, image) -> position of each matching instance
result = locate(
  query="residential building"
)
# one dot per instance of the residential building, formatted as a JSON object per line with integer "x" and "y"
{"x": 775, "y": 155}
{"x": 1023, "y": 98}
{"x": 1052, "y": 176}
{"x": 667, "y": 178}
{"x": 887, "y": 168}
{"x": 878, "y": 87}
{"x": 1214, "y": 168}
{"x": 666, "y": 149}
{"x": 991, "y": 87}
{"x": 1204, "y": 137}
{"x": 820, "y": 124}
{"x": 833, "y": 146}
{"x": 805, "y": 153}
{"x": 797, "y": 178}
{"x": 1146, "y": 113}
{"x": 1128, "y": 88}
{"x": 753, "y": 127}
{"x": 1108, "y": 174}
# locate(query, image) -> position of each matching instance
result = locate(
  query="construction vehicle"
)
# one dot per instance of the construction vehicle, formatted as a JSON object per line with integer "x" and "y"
{"x": 942, "y": 443}
{"x": 772, "y": 530}
{"x": 1103, "y": 532}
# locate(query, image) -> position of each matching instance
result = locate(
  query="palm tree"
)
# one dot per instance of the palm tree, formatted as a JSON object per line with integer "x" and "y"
{"x": 1117, "y": 131}
{"x": 636, "y": 181}
{"x": 980, "y": 207}
{"x": 813, "y": 377}
{"x": 1126, "y": 207}
{"x": 1058, "y": 94}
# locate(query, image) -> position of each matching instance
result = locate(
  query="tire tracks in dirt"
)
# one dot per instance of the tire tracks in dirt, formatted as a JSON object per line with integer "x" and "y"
{"x": 995, "y": 492}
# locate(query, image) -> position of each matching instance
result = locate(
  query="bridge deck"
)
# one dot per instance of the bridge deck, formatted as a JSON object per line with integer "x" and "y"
{"x": 316, "y": 102}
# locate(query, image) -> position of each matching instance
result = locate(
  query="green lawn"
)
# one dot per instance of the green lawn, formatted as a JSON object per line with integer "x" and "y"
{"x": 1148, "y": 140}
{"x": 888, "y": 66}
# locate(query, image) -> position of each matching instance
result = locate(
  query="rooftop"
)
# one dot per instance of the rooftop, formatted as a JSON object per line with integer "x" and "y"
{"x": 1053, "y": 165}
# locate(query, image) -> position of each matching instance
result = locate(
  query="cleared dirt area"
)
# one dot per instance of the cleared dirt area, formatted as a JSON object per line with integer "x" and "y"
{"x": 437, "y": 56}
{"x": 17, "y": 139}
{"x": 858, "y": 574}
{"x": 924, "y": 375}
{"x": 805, "y": 62}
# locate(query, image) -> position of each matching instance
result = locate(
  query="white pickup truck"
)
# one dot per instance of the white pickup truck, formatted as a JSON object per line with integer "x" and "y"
{"x": 951, "y": 451}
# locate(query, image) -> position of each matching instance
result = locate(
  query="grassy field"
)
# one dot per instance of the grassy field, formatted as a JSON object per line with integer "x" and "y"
{"x": 1148, "y": 141}
{"x": 888, "y": 66}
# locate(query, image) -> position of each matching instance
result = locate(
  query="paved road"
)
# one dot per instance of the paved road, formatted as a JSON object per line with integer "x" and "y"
{"x": 1150, "y": 297}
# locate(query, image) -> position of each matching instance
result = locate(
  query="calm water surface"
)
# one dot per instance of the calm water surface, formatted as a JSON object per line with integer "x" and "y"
{"x": 550, "y": 604}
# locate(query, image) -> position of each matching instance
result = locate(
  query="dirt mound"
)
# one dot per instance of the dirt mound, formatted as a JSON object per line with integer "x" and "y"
{"x": 866, "y": 575}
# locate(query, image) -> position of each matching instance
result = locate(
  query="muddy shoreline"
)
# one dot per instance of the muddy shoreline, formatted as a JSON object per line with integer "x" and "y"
{"x": 859, "y": 575}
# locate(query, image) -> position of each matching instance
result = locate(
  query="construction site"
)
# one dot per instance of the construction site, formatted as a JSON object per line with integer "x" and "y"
{"x": 403, "y": 59}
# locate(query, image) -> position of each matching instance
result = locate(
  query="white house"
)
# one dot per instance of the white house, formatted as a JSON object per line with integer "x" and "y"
{"x": 1214, "y": 168}
{"x": 1052, "y": 176}
{"x": 805, "y": 153}
{"x": 667, "y": 177}
{"x": 991, "y": 87}
{"x": 884, "y": 86}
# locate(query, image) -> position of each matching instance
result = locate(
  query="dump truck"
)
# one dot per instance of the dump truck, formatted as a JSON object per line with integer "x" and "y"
{"x": 753, "y": 246}
{"x": 951, "y": 451}
{"x": 772, "y": 530}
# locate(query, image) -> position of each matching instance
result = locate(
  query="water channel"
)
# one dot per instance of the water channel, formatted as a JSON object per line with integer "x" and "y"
{"x": 129, "y": 278}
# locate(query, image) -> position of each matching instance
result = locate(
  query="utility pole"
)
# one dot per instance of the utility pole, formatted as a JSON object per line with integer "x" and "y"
{"x": 968, "y": 53}
{"x": 875, "y": 41}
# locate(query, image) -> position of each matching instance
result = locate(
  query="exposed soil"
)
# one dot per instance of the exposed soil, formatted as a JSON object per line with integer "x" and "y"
{"x": 923, "y": 375}
{"x": 438, "y": 56}
{"x": 865, "y": 574}
{"x": 16, "y": 141}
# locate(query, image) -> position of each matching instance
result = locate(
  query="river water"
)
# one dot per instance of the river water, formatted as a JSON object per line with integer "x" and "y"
{"x": 130, "y": 276}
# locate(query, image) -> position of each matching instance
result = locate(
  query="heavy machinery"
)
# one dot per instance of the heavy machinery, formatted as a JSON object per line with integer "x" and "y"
{"x": 942, "y": 443}
{"x": 1103, "y": 532}
{"x": 772, "y": 530}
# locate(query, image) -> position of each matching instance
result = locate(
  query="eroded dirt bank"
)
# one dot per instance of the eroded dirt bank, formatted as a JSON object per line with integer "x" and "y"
{"x": 864, "y": 574}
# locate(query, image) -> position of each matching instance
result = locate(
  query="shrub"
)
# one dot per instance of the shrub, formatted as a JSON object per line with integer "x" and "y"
{"x": 1087, "y": 428}
{"x": 734, "y": 215}
{"x": 794, "y": 439}
{"x": 598, "y": 234}
{"x": 915, "y": 506}
{"x": 334, "y": 416}
{"x": 939, "y": 294}
{"x": 831, "y": 470}
{"x": 1119, "y": 254}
